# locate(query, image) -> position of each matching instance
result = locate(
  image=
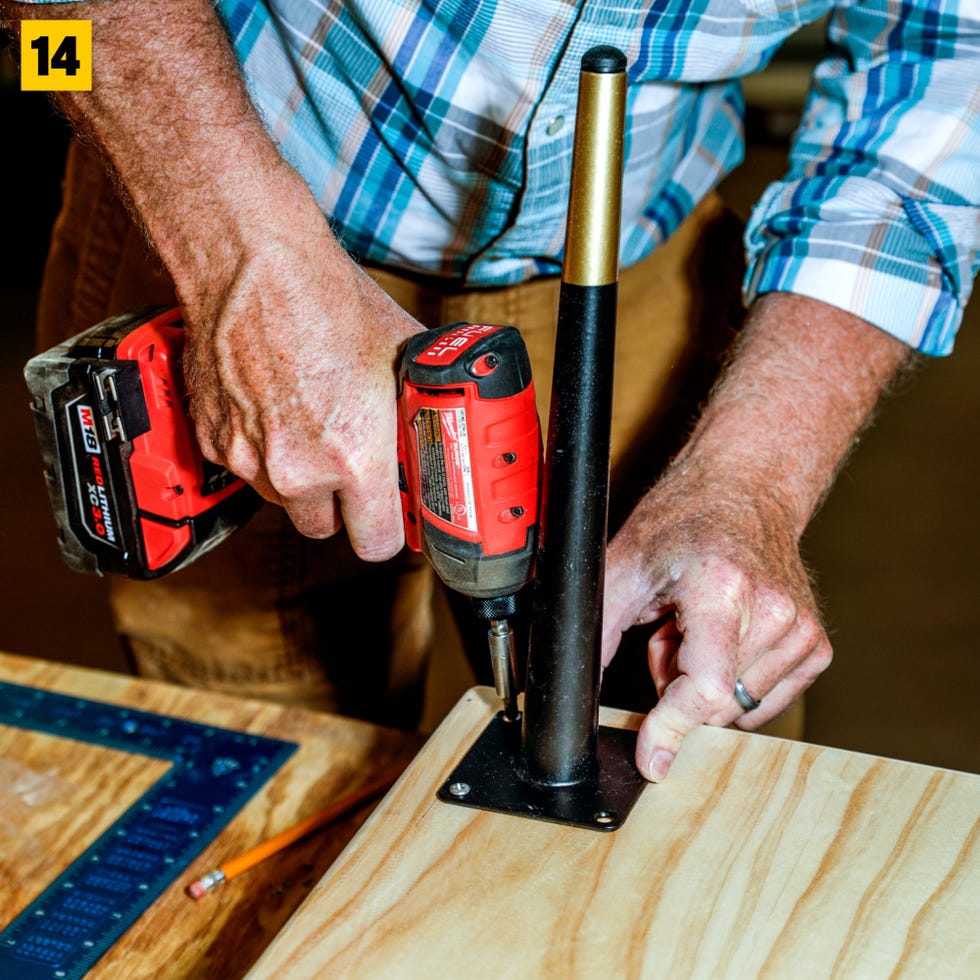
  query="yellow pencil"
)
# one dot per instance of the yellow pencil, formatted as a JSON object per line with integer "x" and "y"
{"x": 375, "y": 786}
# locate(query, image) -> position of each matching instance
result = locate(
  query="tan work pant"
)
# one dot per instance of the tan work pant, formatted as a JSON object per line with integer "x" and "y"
{"x": 274, "y": 615}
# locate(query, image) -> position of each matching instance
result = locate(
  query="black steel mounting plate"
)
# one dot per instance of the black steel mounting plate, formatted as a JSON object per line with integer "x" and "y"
{"x": 489, "y": 778}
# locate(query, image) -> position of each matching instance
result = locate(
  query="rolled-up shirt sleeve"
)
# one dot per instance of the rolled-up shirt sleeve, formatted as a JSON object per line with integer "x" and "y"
{"x": 879, "y": 213}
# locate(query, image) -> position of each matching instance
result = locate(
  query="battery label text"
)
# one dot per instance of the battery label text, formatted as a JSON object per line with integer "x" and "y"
{"x": 90, "y": 436}
{"x": 93, "y": 482}
{"x": 98, "y": 499}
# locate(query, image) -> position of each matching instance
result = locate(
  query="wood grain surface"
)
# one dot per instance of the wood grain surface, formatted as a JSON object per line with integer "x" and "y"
{"x": 757, "y": 857}
{"x": 57, "y": 795}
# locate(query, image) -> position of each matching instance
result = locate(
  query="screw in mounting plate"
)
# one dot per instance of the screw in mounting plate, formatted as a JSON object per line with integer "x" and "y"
{"x": 459, "y": 790}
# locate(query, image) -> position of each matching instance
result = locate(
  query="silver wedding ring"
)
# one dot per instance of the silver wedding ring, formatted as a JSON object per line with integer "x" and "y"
{"x": 745, "y": 700}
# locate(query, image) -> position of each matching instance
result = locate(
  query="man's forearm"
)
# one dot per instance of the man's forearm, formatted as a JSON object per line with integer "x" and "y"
{"x": 711, "y": 553}
{"x": 801, "y": 385}
{"x": 169, "y": 109}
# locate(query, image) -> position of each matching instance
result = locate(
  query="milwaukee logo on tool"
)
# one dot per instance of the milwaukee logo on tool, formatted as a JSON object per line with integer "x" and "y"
{"x": 450, "y": 345}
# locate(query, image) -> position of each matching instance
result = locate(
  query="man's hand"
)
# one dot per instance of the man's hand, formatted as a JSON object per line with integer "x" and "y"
{"x": 292, "y": 381}
{"x": 720, "y": 569}
{"x": 291, "y": 349}
{"x": 712, "y": 552}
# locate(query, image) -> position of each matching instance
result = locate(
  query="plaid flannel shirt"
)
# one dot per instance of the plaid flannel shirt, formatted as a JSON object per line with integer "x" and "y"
{"x": 437, "y": 136}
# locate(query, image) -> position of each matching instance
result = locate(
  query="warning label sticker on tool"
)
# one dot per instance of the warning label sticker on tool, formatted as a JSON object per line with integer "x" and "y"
{"x": 445, "y": 474}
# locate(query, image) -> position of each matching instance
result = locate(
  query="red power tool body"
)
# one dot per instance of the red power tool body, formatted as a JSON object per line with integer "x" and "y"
{"x": 469, "y": 461}
{"x": 469, "y": 454}
{"x": 132, "y": 493}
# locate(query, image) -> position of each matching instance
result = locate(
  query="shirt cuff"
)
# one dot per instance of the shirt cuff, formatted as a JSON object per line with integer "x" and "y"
{"x": 903, "y": 264}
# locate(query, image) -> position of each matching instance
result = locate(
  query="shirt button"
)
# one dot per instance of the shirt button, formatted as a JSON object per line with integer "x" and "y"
{"x": 555, "y": 125}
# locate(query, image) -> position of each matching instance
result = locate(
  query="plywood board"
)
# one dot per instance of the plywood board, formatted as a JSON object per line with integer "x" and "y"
{"x": 757, "y": 857}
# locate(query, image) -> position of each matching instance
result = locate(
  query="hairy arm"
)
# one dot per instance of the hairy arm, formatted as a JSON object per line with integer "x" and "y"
{"x": 290, "y": 347}
{"x": 713, "y": 549}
